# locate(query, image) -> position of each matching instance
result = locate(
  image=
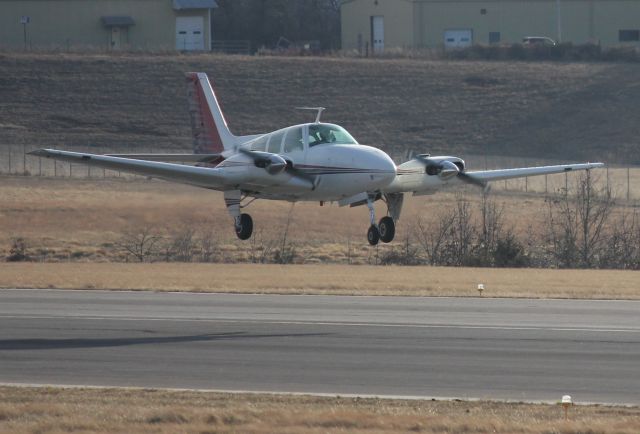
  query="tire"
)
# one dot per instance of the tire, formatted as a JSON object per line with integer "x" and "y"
{"x": 245, "y": 228}
{"x": 387, "y": 229}
{"x": 373, "y": 235}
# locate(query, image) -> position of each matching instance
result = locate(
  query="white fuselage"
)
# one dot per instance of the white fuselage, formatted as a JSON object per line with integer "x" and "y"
{"x": 334, "y": 171}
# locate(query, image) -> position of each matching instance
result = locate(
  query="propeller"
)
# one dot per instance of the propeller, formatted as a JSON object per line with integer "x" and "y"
{"x": 274, "y": 164}
{"x": 446, "y": 169}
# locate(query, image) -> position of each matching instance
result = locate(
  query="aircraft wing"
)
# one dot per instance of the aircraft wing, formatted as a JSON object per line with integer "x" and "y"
{"x": 206, "y": 177}
{"x": 412, "y": 176}
{"x": 182, "y": 158}
{"x": 500, "y": 174}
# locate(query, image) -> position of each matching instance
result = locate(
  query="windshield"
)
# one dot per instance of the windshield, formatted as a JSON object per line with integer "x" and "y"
{"x": 328, "y": 133}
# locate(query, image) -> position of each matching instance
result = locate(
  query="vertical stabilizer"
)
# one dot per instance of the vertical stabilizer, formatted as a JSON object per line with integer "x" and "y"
{"x": 211, "y": 134}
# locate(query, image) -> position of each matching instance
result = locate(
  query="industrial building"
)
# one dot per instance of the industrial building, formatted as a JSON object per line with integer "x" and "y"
{"x": 409, "y": 24}
{"x": 106, "y": 24}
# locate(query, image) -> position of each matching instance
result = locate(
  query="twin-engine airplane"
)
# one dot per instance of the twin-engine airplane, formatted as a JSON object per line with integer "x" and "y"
{"x": 316, "y": 161}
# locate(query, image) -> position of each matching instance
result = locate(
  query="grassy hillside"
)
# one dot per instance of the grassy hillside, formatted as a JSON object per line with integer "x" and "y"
{"x": 542, "y": 110}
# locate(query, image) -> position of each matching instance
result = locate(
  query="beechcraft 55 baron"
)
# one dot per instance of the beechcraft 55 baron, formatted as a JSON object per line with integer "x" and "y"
{"x": 317, "y": 161}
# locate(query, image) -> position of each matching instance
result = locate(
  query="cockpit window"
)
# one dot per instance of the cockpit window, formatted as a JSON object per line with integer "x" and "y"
{"x": 327, "y": 133}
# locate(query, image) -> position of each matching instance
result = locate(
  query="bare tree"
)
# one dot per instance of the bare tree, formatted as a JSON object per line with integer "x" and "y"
{"x": 18, "y": 250}
{"x": 208, "y": 245}
{"x": 577, "y": 223}
{"x": 432, "y": 236}
{"x": 181, "y": 245}
{"x": 622, "y": 247}
{"x": 464, "y": 232}
{"x": 261, "y": 247}
{"x": 143, "y": 243}
{"x": 286, "y": 253}
{"x": 490, "y": 230}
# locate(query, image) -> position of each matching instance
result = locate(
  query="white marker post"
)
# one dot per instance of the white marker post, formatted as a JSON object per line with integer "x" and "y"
{"x": 480, "y": 288}
{"x": 566, "y": 403}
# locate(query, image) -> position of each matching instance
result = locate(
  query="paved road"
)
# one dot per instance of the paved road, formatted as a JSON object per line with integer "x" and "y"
{"x": 433, "y": 347}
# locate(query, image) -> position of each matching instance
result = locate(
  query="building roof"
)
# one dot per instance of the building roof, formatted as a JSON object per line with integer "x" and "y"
{"x": 194, "y": 4}
{"x": 117, "y": 21}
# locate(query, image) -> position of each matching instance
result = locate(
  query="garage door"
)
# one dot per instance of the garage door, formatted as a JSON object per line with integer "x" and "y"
{"x": 458, "y": 38}
{"x": 189, "y": 33}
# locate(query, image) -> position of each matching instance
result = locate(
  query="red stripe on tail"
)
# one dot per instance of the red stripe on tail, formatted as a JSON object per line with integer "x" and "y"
{"x": 206, "y": 137}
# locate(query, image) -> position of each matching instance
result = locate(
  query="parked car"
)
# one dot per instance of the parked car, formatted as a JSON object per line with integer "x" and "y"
{"x": 537, "y": 41}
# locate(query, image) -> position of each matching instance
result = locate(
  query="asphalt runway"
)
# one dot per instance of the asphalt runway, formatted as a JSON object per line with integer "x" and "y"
{"x": 510, "y": 349}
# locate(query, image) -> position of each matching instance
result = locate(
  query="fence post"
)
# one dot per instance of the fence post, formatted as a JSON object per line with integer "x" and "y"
{"x": 24, "y": 159}
{"x": 628, "y": 185}
{"x": 566, "y": 183}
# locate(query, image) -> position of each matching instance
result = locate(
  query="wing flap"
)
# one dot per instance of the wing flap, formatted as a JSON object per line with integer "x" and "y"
{"x": 199, "y": 176}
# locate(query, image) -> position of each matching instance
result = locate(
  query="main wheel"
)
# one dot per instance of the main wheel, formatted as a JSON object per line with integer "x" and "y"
{"x": 387, "y": 229}
{"x": 373, "y": 235}
{"x": 245, "y": 228}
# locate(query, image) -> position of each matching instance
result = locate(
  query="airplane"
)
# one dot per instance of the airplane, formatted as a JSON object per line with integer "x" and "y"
{"x": 316, "y": 161}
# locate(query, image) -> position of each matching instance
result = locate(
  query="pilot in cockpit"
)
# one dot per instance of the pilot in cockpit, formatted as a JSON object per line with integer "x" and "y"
{"x": 327, "y": 133}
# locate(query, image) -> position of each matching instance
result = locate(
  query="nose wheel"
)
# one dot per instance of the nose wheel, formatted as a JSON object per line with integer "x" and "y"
{"x": 373, "y": 235}
{"x": 244, "y": 226}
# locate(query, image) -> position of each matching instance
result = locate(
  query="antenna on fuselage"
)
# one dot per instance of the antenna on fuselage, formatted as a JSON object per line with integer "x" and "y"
{"x": 318, "y": 109}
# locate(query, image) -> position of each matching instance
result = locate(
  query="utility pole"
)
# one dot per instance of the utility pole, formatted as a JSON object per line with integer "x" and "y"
{"x": 559, "y": 21}
{"x": 24, "y": 20}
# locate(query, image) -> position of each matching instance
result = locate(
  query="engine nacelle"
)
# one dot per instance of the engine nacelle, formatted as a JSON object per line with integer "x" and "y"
{"x": 274, "y": 164}
{"x": 443, "y": 167}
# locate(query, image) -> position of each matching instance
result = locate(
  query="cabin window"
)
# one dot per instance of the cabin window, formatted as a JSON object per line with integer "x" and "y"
{"x": 293, "y": 140}
{"x": 275, "y": 142}
{"x": 260, "y": 144}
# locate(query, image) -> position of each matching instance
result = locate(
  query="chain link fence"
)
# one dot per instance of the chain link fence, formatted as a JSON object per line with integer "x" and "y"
{"x": 624, "y": 182}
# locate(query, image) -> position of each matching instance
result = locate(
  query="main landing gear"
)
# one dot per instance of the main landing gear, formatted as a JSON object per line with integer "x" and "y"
{"x": 244, "y": 226}
{"x": 243, "y": 223}
{"x": 385, "y": 230}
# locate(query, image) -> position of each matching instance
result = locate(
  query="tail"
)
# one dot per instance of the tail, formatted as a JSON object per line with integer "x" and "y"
{"x": 211, "y": 134}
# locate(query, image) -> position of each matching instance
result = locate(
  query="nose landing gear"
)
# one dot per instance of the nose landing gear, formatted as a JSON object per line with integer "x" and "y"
{"x": 373, "y": 235}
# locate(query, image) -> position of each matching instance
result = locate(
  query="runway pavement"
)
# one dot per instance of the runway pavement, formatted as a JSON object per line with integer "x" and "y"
{"x": 433, "y": 347}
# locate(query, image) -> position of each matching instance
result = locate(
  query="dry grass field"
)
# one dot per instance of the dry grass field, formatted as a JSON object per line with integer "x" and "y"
{"x": 136, "y": 101}
{"x": 58, "y": 410}
{"x": 82, "y": 219}
{"x": 326, "y": 279}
